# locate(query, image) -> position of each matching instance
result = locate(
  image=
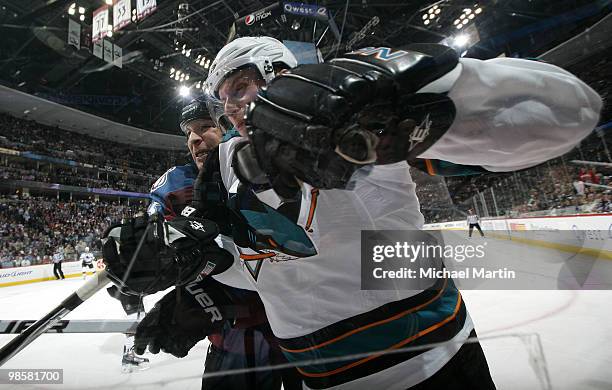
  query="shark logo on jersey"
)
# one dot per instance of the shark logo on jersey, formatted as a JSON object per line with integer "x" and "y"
{"x": 420, "y": 132}
{"x": 195, "y": 225}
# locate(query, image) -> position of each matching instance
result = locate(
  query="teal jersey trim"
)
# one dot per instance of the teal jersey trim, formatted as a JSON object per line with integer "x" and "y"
{"x": 267, "y": 223}
{"x": 230, "y": 134}
{"x": 382, "y": 336}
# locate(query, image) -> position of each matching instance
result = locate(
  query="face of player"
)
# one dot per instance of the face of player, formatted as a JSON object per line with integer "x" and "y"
{"x": 203, "y": 136}
{"x": 236, "y": 92}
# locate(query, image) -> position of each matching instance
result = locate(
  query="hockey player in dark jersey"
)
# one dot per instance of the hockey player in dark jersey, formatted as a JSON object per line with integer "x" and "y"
{"x": 248, "y": 342}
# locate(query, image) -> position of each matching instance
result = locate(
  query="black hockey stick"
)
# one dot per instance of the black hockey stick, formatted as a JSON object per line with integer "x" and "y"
{"x": 50, "y": 319}
{"x": 73, "y": 326}
{"x": 99, "y": 281}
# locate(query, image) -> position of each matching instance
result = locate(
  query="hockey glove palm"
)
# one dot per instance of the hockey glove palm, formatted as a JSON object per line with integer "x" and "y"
{"x": 320, "y": 122}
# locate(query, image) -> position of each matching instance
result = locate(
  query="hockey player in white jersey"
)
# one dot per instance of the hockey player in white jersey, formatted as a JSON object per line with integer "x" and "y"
{"x": 321, "y": 155}
{"x": 87, "y": 262}
{"x": 310, "y": 133}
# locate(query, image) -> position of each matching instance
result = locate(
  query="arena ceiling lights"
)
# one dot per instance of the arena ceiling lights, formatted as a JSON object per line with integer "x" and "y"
{"x": 178, "y": 75}
{"x": 466, "y": 15}
{"x": 202, "y": 61}
{"x": 72, "y": 11}
{"x": 184, "y": 91}
{"x": 442, "y": 12}
{"x": 431, "y": 14}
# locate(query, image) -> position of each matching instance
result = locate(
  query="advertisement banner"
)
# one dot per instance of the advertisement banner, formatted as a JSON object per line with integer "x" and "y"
{"x": 259, "y": 16}
{"x": 302, "y": 9}
{"x": 39, "y": 273}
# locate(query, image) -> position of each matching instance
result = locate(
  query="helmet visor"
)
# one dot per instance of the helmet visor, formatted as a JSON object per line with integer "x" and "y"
{"x": 217, "y": 114}
{"x": 236, "y": 91}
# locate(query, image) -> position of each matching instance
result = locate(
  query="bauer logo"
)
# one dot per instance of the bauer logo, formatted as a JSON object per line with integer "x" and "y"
{"x": 205, "y": 301}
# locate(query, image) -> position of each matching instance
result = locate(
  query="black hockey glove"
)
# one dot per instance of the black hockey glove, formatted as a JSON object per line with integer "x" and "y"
{"x": 185, "y": 316}
{"x": 318, "y": 123}
{"x": 165, "y": 253}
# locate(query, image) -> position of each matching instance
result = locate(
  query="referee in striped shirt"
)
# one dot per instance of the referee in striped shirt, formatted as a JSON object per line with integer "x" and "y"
{"x": 472, "y": 220}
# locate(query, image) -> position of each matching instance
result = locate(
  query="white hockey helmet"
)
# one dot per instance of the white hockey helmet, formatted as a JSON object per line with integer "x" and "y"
{"x": 261, "y": 52}
{"x": 86, "y": 249}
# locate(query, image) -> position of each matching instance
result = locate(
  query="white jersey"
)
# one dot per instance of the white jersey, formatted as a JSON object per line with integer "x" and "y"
{"x": 315, "y": 304}
{"x": 87, "y": 257}
{"x": 472, "y": 219}
{"x": 513, "y": 113}
{"x": 58, "y": 257}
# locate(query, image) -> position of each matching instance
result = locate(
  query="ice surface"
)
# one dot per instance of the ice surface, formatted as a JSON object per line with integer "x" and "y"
{"x": 574, "y": 327}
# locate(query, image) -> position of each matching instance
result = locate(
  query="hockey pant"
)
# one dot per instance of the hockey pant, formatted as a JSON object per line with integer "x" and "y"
{"x": 468, "y": 369}
{"x": 246, "y": 348}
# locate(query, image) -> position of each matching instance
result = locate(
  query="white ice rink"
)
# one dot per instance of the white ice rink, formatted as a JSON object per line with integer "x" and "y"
{"x": 575, "y": 329}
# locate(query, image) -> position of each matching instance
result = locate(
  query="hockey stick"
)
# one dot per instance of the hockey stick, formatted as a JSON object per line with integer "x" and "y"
{"x": 73, "y": 326}
{"x": 99, "y": 281}
{"x": 88, "y": 289}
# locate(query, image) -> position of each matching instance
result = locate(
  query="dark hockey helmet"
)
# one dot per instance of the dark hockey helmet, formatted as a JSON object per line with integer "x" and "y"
{"x": 196, "y": 109}
{"x": 203, "y": 107}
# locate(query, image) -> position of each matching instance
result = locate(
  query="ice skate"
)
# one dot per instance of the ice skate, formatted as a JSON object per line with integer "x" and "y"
{"x": 131, "y": 362}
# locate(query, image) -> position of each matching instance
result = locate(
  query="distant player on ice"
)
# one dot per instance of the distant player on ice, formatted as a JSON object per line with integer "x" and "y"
{"x": 473, "y": 222}
{"x": 87, "y": 262}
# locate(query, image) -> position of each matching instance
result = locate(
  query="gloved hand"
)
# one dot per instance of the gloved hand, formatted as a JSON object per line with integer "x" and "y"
{"x": 185, "y": 316}
{"x": 319, "y": 123}
{"x": 163, "y": 253}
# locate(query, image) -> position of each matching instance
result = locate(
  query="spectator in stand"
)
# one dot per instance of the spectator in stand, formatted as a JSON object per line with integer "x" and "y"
{"x": 25, "y": 262}
{"x": 25, "y": 135}
{"x": 39, "y": 225}
{"x": 604, "y": 205}
{"x": 579, "y": 186}
{"x": 594, "y": 177}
